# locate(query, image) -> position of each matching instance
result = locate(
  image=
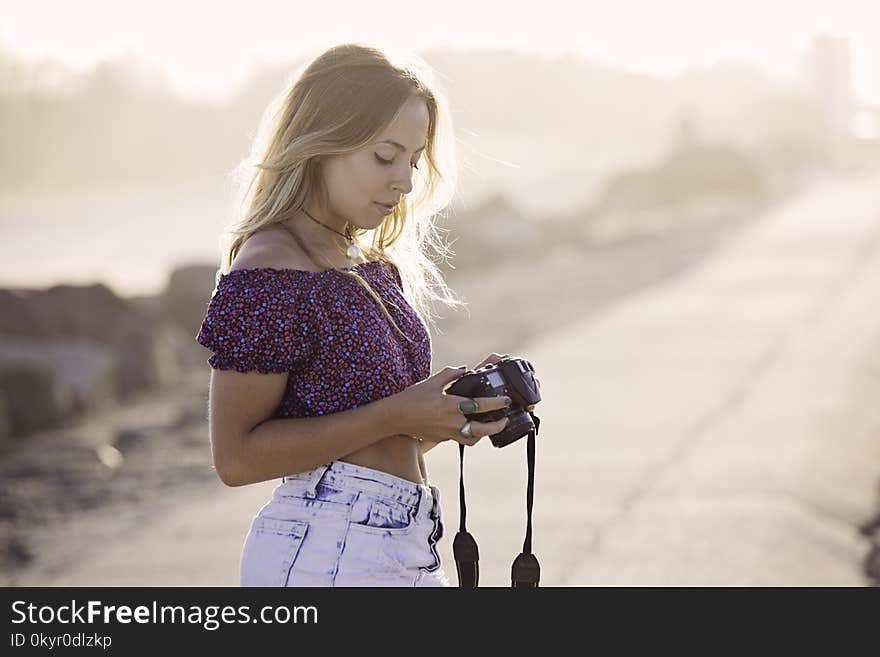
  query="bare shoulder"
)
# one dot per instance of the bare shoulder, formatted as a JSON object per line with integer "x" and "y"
{"x": 270, "y": 248}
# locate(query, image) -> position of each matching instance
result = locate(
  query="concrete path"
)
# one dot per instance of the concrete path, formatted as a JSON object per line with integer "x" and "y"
{"x": 715, "y": 430}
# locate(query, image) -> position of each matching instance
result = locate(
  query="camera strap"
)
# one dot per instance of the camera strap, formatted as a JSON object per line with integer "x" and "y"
{"x": 464, "y": 547}
{"x": 526, "y": 571}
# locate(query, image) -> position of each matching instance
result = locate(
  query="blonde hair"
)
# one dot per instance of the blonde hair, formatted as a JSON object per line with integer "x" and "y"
{"x": 337, "y": 104}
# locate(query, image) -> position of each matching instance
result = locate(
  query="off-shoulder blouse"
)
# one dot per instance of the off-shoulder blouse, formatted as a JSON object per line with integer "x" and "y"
{"x": 323, "y": 329}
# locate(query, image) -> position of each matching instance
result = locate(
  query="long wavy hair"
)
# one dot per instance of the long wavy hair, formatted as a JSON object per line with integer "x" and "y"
{"x": 338, "y": 104}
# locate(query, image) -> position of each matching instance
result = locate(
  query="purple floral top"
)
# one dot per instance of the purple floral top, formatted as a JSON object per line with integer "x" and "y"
{"x": 323, "y": 329}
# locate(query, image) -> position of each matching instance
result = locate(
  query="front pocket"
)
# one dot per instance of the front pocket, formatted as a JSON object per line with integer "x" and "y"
{"x": 379, "y": 516}
{"x": 271, "y": 548}
{"x": 408, "y": 553}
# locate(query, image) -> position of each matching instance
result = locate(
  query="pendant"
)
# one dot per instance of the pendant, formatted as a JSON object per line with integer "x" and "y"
{"x": 354, "y": 253}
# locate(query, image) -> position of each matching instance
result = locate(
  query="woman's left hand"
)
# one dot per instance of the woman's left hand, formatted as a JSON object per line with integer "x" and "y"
{"x": 493, "y": 358}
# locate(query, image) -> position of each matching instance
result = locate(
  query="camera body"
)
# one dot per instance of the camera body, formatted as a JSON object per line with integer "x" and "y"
{"x": 510, "y": 377}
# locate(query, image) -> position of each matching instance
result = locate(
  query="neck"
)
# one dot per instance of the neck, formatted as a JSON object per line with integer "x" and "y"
{"x": 324, "y": 219}
{"x": 319, "y": 239}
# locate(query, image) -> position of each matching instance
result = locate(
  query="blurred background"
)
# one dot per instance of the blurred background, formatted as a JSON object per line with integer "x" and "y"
{"x": 607, "y": 154}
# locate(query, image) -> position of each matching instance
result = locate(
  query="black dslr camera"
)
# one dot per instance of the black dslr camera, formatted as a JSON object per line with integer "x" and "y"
{"x": 510, "y": 377}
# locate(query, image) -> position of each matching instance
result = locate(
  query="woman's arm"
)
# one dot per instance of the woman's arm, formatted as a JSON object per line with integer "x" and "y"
{"x": 426, "y": 445}
{"x": 248, "y": 450}
{"x": 423, "y": 470}
{"x": 280, "y": 446}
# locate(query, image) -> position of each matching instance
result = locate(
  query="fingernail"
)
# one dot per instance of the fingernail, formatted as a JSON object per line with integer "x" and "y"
{"x": 507, "y": 401}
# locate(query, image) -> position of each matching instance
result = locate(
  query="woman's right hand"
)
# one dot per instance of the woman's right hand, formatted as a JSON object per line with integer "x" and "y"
{"x": 431, "y": 415}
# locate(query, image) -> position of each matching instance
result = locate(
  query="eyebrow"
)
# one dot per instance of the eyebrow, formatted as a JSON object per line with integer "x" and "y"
{"x": 399, "y": 147}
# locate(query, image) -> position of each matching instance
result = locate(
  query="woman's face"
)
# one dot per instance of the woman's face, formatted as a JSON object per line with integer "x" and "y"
{"x": 380, "y": 173}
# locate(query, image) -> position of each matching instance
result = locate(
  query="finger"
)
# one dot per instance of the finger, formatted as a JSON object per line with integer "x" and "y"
{"x": 483, "y": 403}
{"x": 468, "y": 442}
{"x": 491, "y": 403}
{"x": 488, "y": 428}
{"x": 447, "y": 375}
{"x": 491, "y": 359}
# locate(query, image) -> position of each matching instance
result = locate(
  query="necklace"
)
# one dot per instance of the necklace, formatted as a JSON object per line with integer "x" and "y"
{"x": 354, "y": 251}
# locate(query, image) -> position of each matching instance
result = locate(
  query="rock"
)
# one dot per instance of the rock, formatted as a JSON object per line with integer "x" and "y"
{"x": 93, "y": 313}
{"x": 187, "y": 295}
{"x": 33, "y": 397}
{"x": 63, "y": 310}
{"x": 189, "y": 417}
{"x": 5, "y": 421}
{"x": 83, "y": 366}
{"x": 14, "y": 552}
{"x": 46, "y": 381}
{"x": 130, "y": 438}
{"x": 67, "y": 349}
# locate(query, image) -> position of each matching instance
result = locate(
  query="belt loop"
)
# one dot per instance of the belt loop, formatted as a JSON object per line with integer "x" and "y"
{"x": 314, "y": 480}
{"x": 435, "y": 508}
{"x": 424, "y": 504}
{"x": 428, "y": 502}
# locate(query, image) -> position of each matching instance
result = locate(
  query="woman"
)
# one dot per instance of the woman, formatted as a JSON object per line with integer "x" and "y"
{"x": 321, "y": 366}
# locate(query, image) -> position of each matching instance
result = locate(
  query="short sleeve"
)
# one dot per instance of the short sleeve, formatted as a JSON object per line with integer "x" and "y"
{"x": 396, "y": 273}
{"x": 256, "y": 321}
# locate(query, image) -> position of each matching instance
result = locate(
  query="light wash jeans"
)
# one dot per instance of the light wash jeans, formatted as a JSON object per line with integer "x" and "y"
{"x": 345, "y": 525}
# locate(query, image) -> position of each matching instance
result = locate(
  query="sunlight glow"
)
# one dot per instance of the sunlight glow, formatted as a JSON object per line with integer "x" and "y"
{"x": 208, "y": 49}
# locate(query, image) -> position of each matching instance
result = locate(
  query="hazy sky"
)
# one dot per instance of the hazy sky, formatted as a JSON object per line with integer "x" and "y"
{"x": 208, "y": 47}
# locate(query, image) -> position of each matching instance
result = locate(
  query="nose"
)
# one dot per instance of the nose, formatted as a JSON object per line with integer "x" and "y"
{"x": 404, "y": 184}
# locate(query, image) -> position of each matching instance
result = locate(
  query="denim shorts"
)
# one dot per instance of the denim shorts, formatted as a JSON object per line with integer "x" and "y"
{"x": 345, "y": 525}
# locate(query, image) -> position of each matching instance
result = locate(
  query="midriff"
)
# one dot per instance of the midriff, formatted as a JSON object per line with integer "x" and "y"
{"x": 398, "y": 455}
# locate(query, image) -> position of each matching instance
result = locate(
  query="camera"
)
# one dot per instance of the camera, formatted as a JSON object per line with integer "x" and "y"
{"x": 510, "y": 377}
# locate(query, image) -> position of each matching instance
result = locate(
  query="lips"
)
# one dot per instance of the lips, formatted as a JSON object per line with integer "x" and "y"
{"x": 386, "y": 208}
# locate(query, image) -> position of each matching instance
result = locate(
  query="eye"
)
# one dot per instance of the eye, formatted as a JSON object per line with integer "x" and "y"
{"x": 386, "y": 163}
